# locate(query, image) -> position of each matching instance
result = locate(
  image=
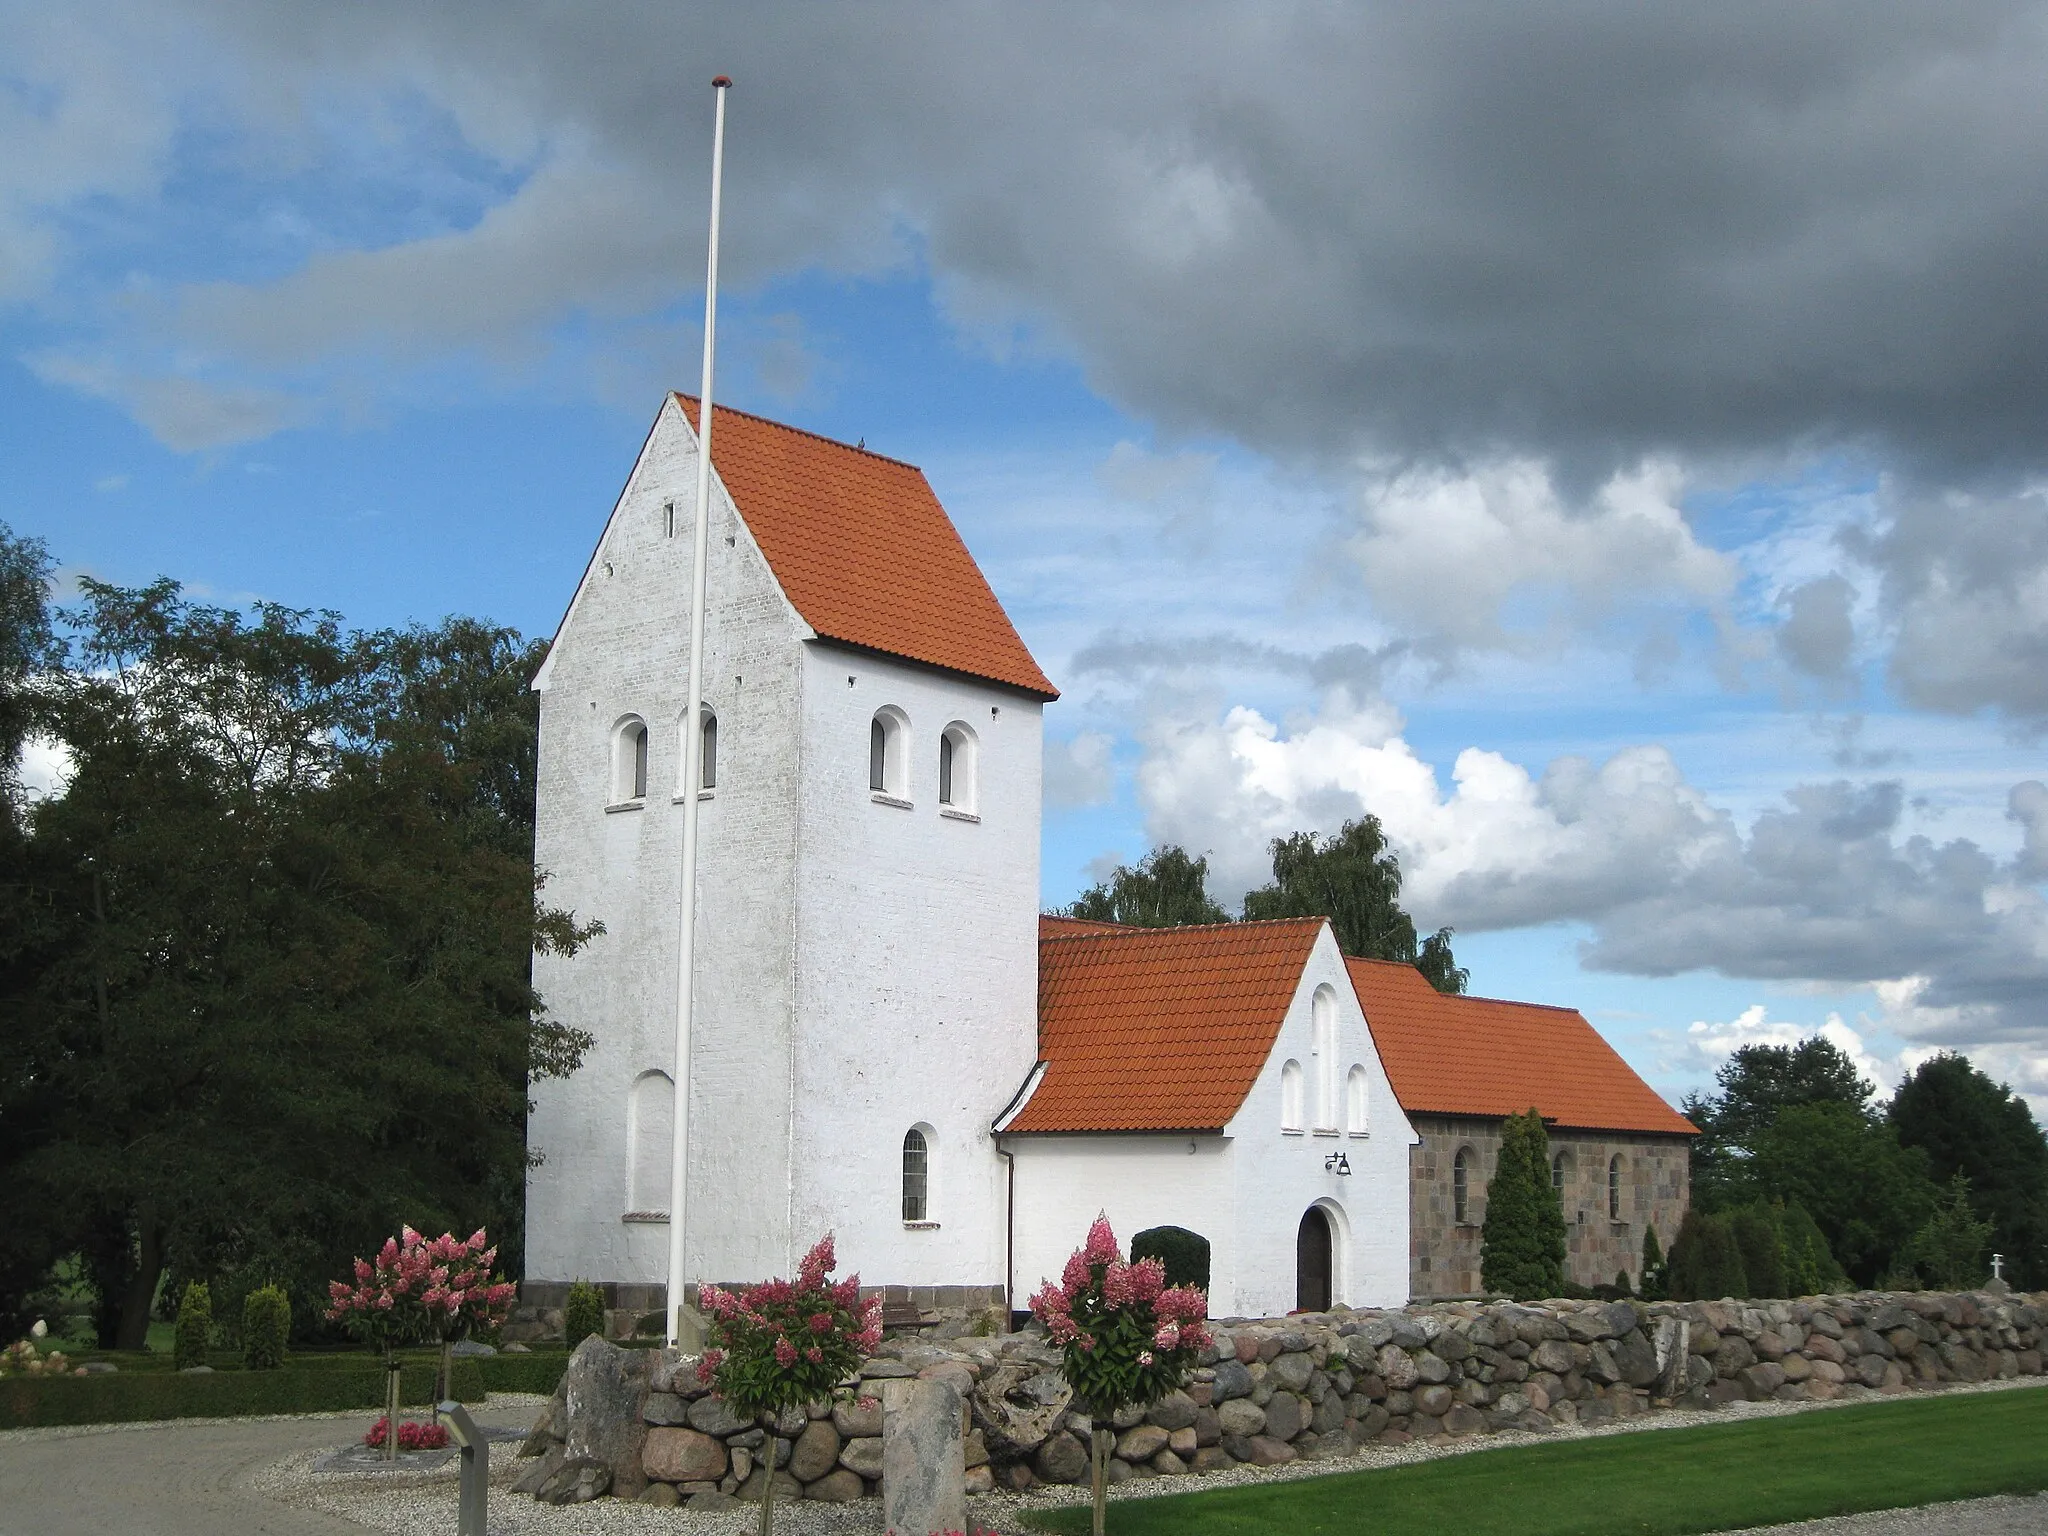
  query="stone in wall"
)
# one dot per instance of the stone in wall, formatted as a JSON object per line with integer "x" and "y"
{"x": 1278, "y": 1390}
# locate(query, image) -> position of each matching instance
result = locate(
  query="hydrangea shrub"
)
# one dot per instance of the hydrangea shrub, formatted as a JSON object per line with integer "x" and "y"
{"x": 787, "y": 1343}
{"x": 1126, "y": 1337}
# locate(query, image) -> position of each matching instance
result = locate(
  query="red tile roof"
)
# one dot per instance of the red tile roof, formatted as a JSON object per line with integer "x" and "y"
{"x": 1479, "y": 1056}
{"x": 864, "y": 551}
{"x": 1052, "y": 926}
{"x": 1159, "y": 1029}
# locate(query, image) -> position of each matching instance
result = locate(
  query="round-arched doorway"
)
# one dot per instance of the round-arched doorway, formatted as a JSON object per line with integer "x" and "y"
{"x": 1313, "y": 1262}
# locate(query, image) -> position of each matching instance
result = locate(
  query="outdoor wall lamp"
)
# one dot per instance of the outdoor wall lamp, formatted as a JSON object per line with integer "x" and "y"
{"x": 1338, "y": 1164}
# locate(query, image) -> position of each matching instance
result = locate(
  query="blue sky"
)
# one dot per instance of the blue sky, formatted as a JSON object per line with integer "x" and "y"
{"x": 1674, "y": 589}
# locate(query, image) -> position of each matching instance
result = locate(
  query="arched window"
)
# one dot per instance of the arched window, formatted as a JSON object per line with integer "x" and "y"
{"x": 650, "y": 1132}
{"x": 958, "y": 751}
{"x": 916, "y": 1175}
{"x": 1461, "y": 1186}
{"x": 888, "y": 740}
{"x": 1614, "y": 1188}
{"x": 1355, "y": 1102}
{"x": 1290, "y": 1096}
{"x": 1560, "y": 1172}
{"x": 707, "y": 747}
{"x": 1323, "y": 1010}
{"x": 629, "y": 760}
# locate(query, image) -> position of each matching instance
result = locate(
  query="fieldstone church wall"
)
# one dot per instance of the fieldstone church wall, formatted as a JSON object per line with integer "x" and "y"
{"x": 1444, "y": 1252}
{"x": 638, "y": 1424}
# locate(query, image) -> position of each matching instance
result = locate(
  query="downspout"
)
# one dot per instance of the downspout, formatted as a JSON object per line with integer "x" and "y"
{"x": 1009, "y": 1230}
{"x": 995, "y": 1131}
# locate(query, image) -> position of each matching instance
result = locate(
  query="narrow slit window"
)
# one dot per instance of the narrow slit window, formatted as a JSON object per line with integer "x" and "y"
{"x": 708, "y": 750}
{"x": 916, "y": 1175}
{"x": 888, "y": 741}
{"x": 1614, "y": 1189}
{"x": 957, "y": 748}
{"x": 629, "y": 760}
{"x": 1461, "y": 1186}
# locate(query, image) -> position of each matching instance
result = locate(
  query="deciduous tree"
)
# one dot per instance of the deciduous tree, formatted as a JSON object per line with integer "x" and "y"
{"x": 1354, "y": 880}
{"x": 282, "y": 920}
{"x": 1165, "y": 889}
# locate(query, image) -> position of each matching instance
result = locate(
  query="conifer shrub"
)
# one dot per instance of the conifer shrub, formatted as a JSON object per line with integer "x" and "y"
{"x": 1810, "y": 1267}
{"x": 1656, "y": 1280}
{"x": 1705, "y": 1263}
{"x": 266, "y": 1325}
{"x": 195, "y": 1327}
{"x": 1757, "y": 1234}
{"x": 1948, "y": 1251}
{"x": 1185, "y": 1254}
{"x": 582, "y": 1313}
{"x": 1522, "y": 1244}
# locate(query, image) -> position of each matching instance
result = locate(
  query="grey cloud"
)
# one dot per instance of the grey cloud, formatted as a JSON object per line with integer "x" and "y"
{"x": 183, "y": 413}
{"x": 1080, "y": 771}
{"x": 1823, "y": 890}
{"x": 2027, "y": 804}
{"x": 1586, "y": 232}
{"x": 1358, "y": 669}
{"x": 1818, "y": 635}
{"x": 1965, "y": 583}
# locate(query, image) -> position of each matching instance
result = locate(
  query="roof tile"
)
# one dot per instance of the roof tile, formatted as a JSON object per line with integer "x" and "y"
{"x": 864, "y": 551}
{"x": 1484, "y": 1057}
{"x": 1159, "y": 1029}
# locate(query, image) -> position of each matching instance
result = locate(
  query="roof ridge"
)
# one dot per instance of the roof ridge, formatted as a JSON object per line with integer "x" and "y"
{"x": 816, "y": 437}
{"x": 1126, "y": 930}
{"x": 1515, "y": 1002}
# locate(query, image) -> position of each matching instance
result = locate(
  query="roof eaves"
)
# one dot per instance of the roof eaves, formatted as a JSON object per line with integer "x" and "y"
{"x": 819, "y": 637}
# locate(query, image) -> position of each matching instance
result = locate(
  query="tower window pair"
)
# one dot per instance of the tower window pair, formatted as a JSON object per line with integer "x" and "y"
{"x": 889, "y": 753}
{"x": 629, "y": 758}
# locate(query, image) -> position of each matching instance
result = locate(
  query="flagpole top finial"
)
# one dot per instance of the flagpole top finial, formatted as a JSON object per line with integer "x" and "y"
{"x": 721, "y": 83}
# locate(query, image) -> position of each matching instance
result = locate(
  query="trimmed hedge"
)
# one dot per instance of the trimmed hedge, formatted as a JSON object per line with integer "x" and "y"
{"x": 131, "y": 1397}
{"x": 540, "y": 1373}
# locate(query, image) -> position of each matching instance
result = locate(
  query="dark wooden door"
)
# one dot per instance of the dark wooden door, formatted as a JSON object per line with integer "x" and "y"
{"x": 1312, "y": 1262}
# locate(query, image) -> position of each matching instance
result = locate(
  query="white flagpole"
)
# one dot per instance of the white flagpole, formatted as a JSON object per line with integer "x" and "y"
{"x": 693, "y": 752}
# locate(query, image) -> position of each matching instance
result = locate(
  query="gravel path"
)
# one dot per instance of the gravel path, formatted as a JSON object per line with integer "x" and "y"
{"x": 186, "y": 1477}
{"x": 2011, "y": 1516}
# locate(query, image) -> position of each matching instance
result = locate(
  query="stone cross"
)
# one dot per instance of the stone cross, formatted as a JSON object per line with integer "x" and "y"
{"x": 1998, "y": 1266}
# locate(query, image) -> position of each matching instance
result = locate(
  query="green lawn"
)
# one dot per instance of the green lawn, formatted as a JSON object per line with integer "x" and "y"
{"x": 1715, "y": 1478}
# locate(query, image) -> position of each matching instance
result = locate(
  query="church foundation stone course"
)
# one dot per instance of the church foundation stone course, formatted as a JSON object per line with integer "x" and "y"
{"x": 1314, "y": 1387}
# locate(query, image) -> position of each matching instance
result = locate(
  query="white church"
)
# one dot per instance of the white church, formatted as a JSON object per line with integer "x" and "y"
{"x": 889, "y": 1042}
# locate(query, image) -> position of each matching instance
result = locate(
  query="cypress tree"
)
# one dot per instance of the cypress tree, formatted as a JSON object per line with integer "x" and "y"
{"x": 1654, "y": 1279}
{"x": 1522, "y": 1244}
{"x": 1706, "y": 1263}
{"x": 1810, "y": 1268}
{"x": 1757, "y": 1234}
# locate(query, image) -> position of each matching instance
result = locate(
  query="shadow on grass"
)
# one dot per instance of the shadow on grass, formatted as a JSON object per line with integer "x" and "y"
{"x": 1717, "y": 1477}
